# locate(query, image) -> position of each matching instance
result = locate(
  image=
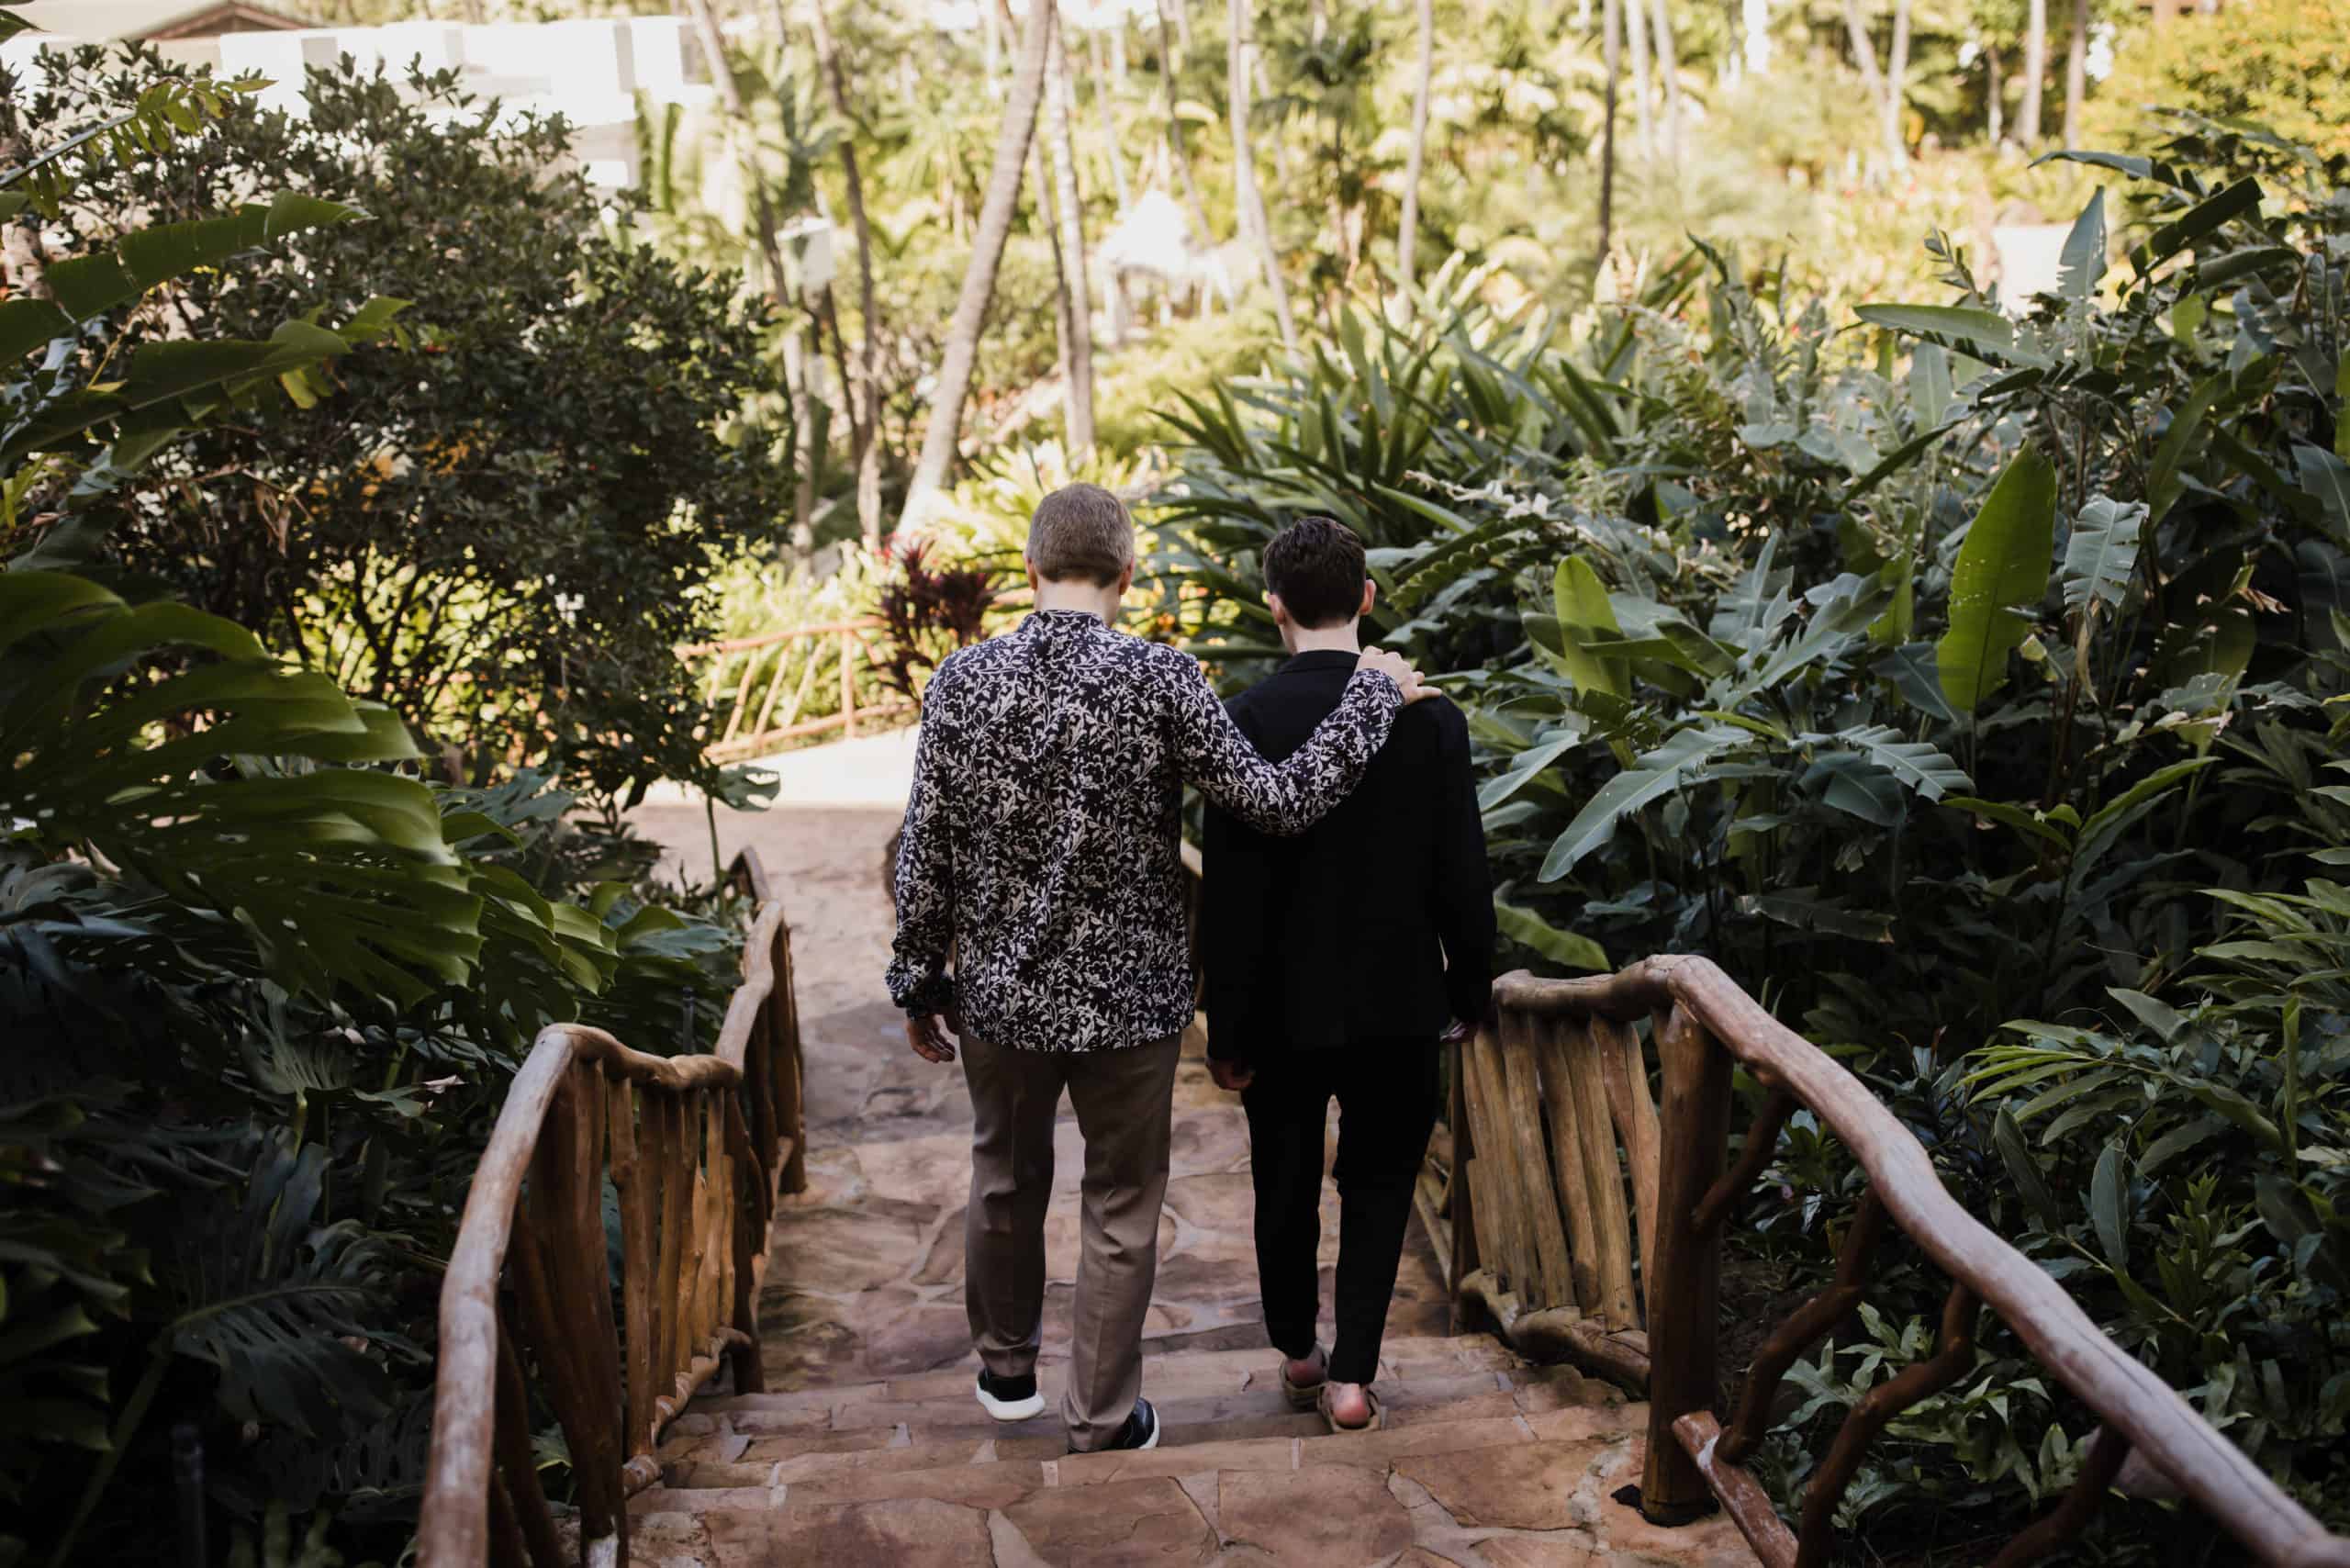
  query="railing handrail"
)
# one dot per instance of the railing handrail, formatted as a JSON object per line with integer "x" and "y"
{"x": 2125, "y": 1394}
{"x": 780, "y": 634}
{"x": 454, "y": 1519}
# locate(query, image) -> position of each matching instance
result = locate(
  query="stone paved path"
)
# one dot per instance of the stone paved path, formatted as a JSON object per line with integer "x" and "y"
{"x": 872, "y": 1450}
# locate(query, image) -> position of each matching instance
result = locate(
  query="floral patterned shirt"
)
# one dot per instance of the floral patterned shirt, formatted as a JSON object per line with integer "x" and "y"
{"x": 1041, "y": 836}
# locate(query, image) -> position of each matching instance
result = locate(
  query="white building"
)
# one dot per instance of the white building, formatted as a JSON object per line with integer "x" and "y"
{"x": 590, "y": 71}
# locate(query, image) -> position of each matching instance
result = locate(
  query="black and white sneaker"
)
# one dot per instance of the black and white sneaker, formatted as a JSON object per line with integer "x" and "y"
{"x": 1010, "y": 1398}
{"x": 1141, "y": 1431}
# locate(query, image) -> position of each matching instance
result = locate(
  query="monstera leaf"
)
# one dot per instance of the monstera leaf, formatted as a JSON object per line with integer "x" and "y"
{"x": 167, "y": 741}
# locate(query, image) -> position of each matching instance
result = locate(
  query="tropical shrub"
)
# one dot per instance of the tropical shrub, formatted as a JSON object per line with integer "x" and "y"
{"x": 502, "y": 533}
{"x": 2280, "y": 66}
{"x": 265, "y": 983}
{"x": 1924, "y": 673}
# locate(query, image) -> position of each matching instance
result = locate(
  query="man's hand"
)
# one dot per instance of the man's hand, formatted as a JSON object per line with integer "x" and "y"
{"x": 1456, "y": 1032}
{"x": 1232, "y": 1077}
{"x": 926, "y": 1032}
{"x": 1396, "y": 668}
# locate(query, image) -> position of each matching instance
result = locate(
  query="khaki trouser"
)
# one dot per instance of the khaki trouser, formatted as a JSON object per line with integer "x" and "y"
{"x": 1124, "y": 1100}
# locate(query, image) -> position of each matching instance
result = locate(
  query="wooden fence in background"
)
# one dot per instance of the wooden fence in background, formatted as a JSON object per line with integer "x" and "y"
{"x": 770, "y": 686}
{"x": 696, "y": 1149}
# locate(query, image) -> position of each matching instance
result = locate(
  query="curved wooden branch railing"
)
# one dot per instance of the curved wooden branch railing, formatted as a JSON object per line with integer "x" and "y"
{"x": 696, "y": 1149}
{"x": 1567, "y": 1046}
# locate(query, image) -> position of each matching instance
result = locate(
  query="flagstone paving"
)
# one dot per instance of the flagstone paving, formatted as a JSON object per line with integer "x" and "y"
{"x": 871, "y": 1450}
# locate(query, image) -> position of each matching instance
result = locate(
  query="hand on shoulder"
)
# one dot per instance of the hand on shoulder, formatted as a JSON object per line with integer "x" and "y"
{"x": 1396, "y": 667}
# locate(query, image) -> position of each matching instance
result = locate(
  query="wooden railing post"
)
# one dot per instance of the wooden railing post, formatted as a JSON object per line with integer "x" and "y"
{"x": 787, "y": 1067}
{"x": 1684, "y": 1275}
{"x": 848, "y": 685}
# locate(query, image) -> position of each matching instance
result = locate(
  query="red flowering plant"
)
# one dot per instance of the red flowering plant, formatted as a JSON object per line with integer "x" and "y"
{"x": 929, "y": 611}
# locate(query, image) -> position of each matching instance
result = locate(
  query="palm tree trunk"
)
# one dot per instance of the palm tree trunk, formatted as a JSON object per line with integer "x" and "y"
{"x": 1060, "y": 109}
{"x": 2036, "y": 73}
{"x": 1170, "y": 67}
{"x": 2077, "y": 72}
{"x": 1612, "y": 28}
{"x": 1755, "y": 16}
{"x": 1408, "y": 235}
{"x": 1995, "y": 91}
{"x": 1668, "y": 69}
{"x": 1109, "y": 118}
{"x": 990, "y": 46}
{"x": 1864, "y": 50}
{"x": 1896, "y": 73}
{"x": 861, "y": 379}
{"x": 1064, "y": 330}
{"x": 962, "y": 347}
{"x": 1636, "y": 27}
{"x": 742, "y": 144}
{"x": 1248, "y": 199}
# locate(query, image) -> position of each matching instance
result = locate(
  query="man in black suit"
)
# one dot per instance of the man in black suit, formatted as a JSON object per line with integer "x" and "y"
{"x": 1337, "y": 961}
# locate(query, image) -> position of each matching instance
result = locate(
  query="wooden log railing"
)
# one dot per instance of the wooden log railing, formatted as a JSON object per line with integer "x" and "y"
{"x": 1526, "y": 1198}
{"x": 1567, "y": 1048}
{"x": 765, "y": 684}
{"x": 695, "y": 1150}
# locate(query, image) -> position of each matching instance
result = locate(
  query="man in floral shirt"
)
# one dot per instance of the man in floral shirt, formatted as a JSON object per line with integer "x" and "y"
{"x": 1040, "y": 855}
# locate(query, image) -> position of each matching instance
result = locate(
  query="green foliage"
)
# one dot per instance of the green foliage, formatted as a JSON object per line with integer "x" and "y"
{"x": 499, "y": 535}
{"x": 280, "y": 989}
{"x": 1919, "y": 685}
{"x": 2280, "y": 66}
{"x": 271, "y": 984}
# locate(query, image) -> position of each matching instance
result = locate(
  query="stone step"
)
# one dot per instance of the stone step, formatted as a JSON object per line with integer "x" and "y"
{"x": 1202, "y": 1397}
{"x": 975, "y": 1474}
{"x": 1504, "y": 1493}
{"x": 1177, "y": 1372}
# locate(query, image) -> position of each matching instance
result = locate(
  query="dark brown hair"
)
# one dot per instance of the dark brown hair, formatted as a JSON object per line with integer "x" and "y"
{"x": 1316, "y": 565}
{"x": 1082, "y": 531}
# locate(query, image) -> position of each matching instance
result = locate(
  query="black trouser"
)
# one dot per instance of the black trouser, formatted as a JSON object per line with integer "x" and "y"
{"x": 1387, "y": 1096}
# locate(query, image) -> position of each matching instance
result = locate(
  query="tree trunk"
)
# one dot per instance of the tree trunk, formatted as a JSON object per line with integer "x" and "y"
{"x": 1756, "y": 16}
{"x": 1182, "y": 11}
{"x": 2036, "y": 73}
{"x": 1668, "y": 70}
{"x": 1996, "y": 91}
{"x": 1612, "y": 26}
{"x": 1896, "y": 74}
{"x": 990, "y": 46}
{"x": 1060, "y": 109}
{"x": 1864, "y": 52}
{"x": 1170, "y": 65}
{"x": 1636, "y": 28}
{"x": 962, "y": 347}
{"x": 1407, "y": 237}
{"x": 1108, "y": 114}
{"x": 1250, "y": 200}
{"x": 801, "y": 360}
{"x": 2076, "y": 72}
{"x": 1118, "y": 52}
{"x": 863, "y": 380}
{"x": 1064, "y": 327}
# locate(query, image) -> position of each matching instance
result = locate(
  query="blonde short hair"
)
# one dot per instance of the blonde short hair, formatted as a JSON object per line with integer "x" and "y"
{"x": 1082, "y": 531}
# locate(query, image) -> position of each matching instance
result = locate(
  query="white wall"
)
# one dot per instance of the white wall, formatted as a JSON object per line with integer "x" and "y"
{"x": 589, "y": 72}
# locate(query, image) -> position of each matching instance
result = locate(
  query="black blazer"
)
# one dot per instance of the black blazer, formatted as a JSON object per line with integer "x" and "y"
{"x": 1377, "y": 923}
